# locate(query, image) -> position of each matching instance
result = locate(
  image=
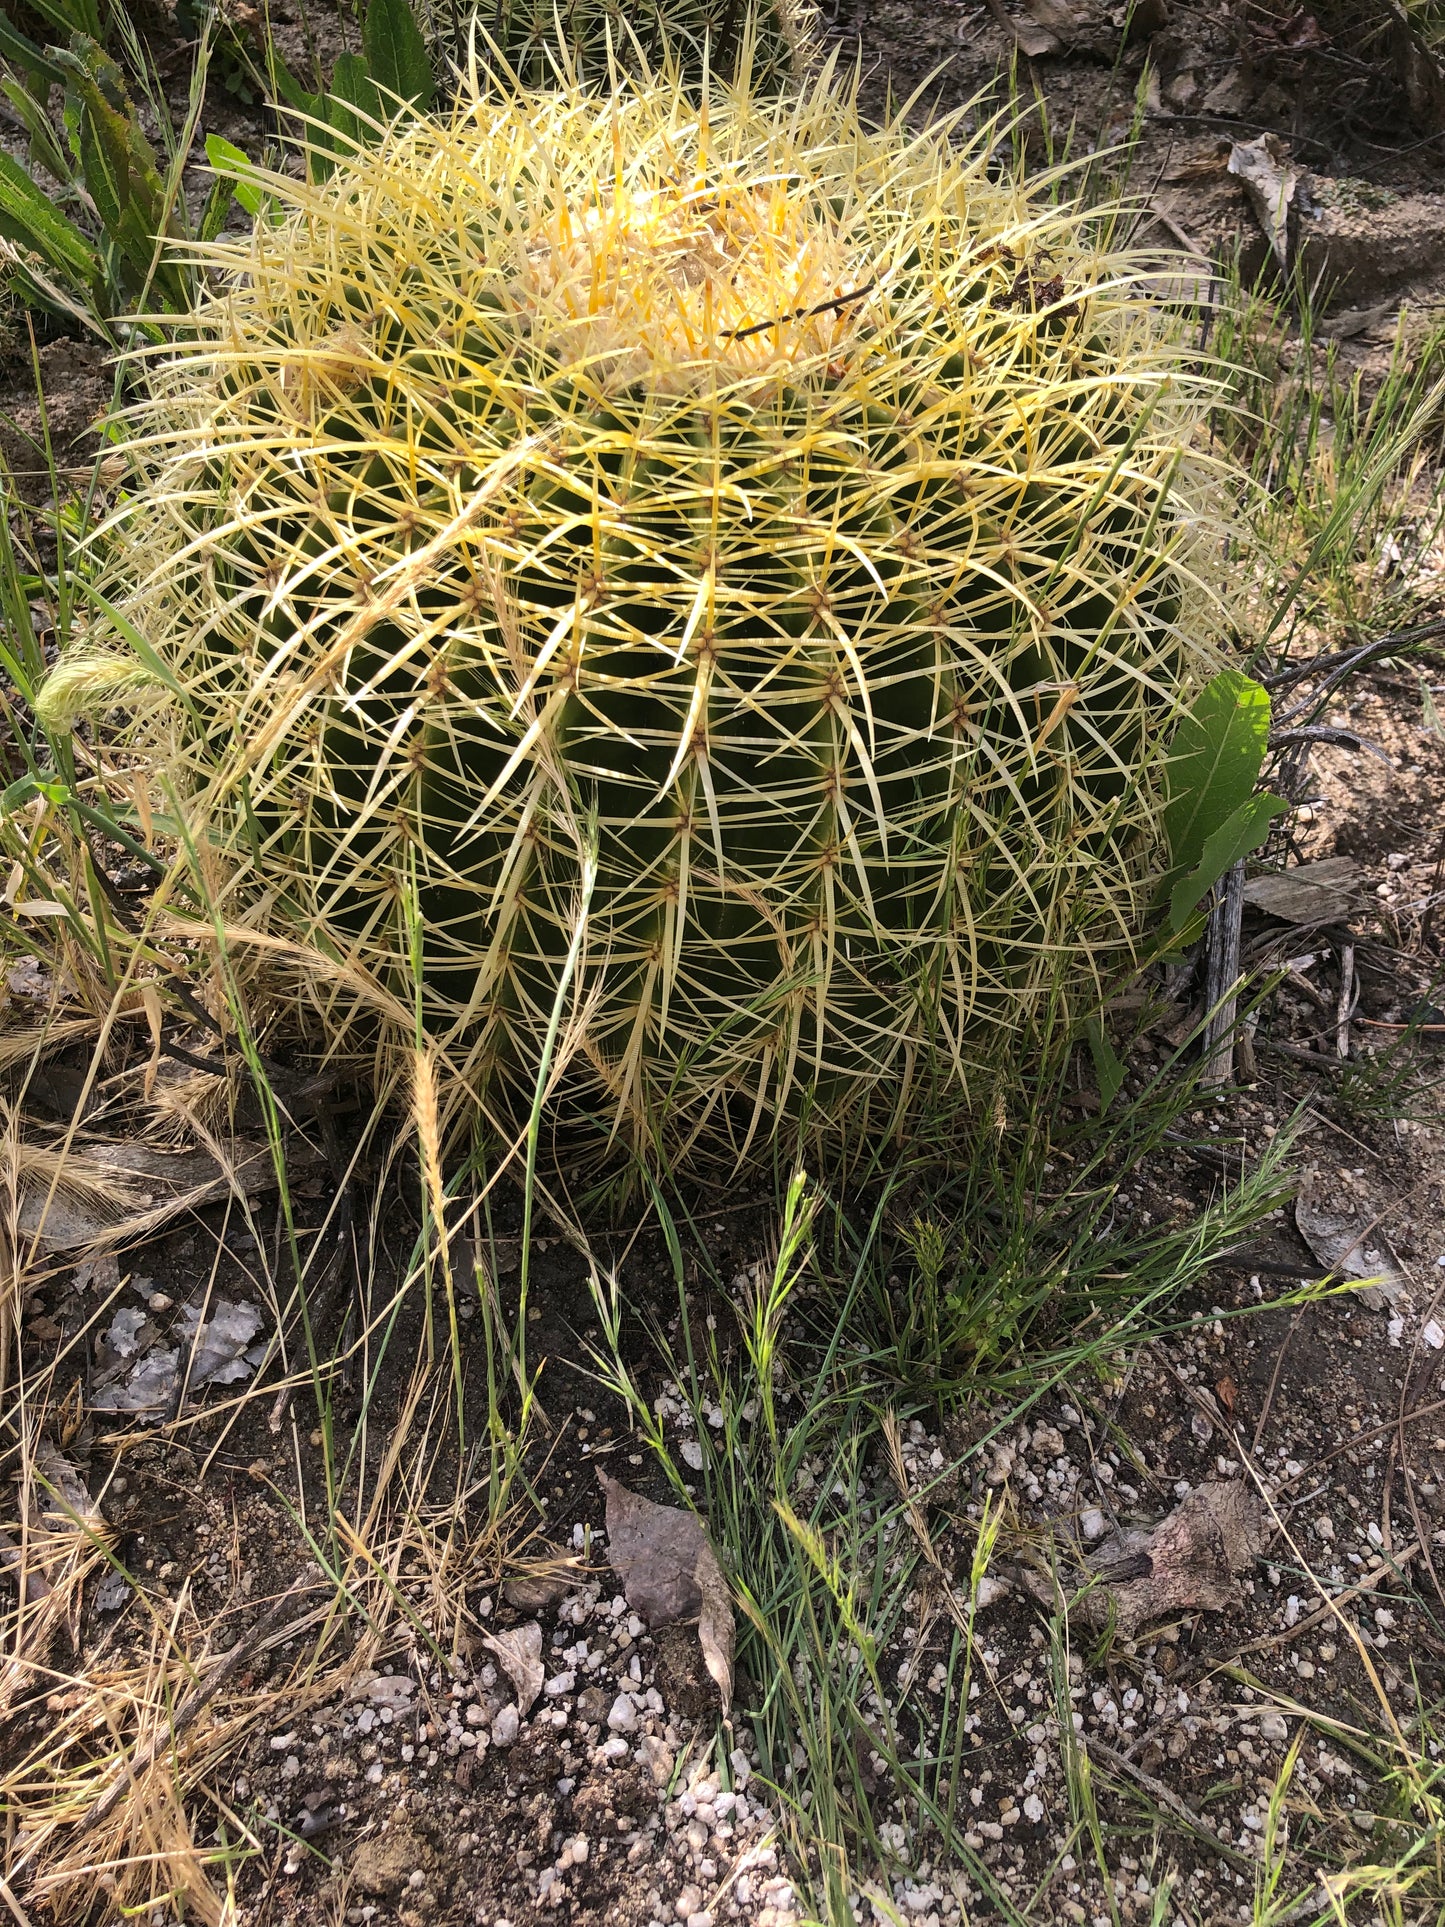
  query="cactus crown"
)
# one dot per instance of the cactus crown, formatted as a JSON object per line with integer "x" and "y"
{"x": 711, "y": 577}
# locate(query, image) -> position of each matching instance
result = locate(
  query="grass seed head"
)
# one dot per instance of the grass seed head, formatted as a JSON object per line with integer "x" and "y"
{"x": 776, "y": 522}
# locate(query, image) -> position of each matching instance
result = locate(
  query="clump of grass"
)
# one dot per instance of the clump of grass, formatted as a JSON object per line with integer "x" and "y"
{"x": 1345, "y": 507}
{"x": 989, "y": 1287}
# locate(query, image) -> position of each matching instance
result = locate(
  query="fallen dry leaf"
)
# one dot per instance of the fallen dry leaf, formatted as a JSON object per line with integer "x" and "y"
{"x": 1189, "y": 1562}
{"x": 1270, "y": 180}
{"x": 1227, "y": 1392}
{"x": 221, "y": 1353}
{"x": 520, "y": 1651}
{"x": 1344, "y": 1234}
{"x": 669, "y": 1571}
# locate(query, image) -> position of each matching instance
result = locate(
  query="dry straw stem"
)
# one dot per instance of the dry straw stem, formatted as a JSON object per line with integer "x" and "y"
{"x": 783, "y": 510}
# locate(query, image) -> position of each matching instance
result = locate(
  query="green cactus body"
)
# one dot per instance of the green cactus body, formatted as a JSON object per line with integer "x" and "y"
{"x": 589, "y": 40}
{"x": 777, "y": 511}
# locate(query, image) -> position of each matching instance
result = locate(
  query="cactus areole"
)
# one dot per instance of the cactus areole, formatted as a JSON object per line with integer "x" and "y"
{"x": 708, "y": 585}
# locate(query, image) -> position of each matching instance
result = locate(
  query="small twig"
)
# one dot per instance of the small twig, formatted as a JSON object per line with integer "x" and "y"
{"x": 798, "y": 314}
{"x": 1274, "y": 1381}
{"x": 1221, "y": 995}
{"x": 1345, "y": 1009}
{"x": 1336, "y": 664}
{"x": 1311, "y": 1057}
{"x": 1328, "y": 733}
{"x": 1329, "y": 1611}
{"x": 1168, "y": 1799}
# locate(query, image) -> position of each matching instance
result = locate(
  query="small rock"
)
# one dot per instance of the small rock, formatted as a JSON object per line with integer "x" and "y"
{"x": 623, "y": 1716}
{"x": 1272, "y": 1727}
{"x": 506, "y": 1726}
{"x": 1433, "y": 1334}
{"x": 689, "y": 1902}
{"x": 559, "y": 1684}
{"x": 990, "y": 1590}
{"x": 390, "y": 1862}
{"x": 657, "y": 1757}
{"x": 1092, "y": 1523}
{"x": 592, "y": 1706}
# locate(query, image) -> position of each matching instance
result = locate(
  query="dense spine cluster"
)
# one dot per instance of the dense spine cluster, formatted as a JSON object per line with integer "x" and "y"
{"x": 713, "y": 579}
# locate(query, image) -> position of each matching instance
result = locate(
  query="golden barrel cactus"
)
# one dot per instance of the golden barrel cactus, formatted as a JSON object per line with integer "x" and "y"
{"x": 709, "y": 579}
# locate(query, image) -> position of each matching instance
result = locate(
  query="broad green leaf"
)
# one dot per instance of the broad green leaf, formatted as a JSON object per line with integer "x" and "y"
{"x": 1214, "y": 762}
{"x": 353, "y": 94}
{"x": 234, "y": 166}
{"x": 30, "y": 218}
{"x": 396, "y": 55}
{"x": 1107, "y": 1069}
{"x": 1242, "y": 831}
{"x": 120, "y": 169}
{"x": 293, "y": 93}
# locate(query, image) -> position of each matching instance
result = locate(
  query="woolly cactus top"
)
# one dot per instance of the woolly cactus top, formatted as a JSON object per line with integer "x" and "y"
{"x": 764, "y": 545}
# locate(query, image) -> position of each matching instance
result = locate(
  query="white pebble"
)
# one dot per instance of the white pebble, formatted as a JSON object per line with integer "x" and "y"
{"x": 506, "y": 1726}
{"x": 623, "y": 1716}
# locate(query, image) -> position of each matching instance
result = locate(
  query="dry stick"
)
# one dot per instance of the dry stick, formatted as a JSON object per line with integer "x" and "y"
{"x": 1339, "y": 663}
{"x": 1346, "y": 1005}
{"x": 1322, "y": 1613}
{"x": 22, "y": 1918}
{"x": 799, "y": 314}
{"x": 1168, "y": 1799}
{"x": 1315, "y": 1059}
{"x": 190, "y": 1708}
{"x": 1274, "y": 1381}
{"x": 1221, "y": 994}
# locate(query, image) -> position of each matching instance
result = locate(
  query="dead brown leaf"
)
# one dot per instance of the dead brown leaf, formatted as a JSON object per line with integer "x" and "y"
{"x": 669, "y": 1571}
{"x": 1270, "y": 180}
{"x": 1344, "y": 1234}
{"x": 520, "y": 1651}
